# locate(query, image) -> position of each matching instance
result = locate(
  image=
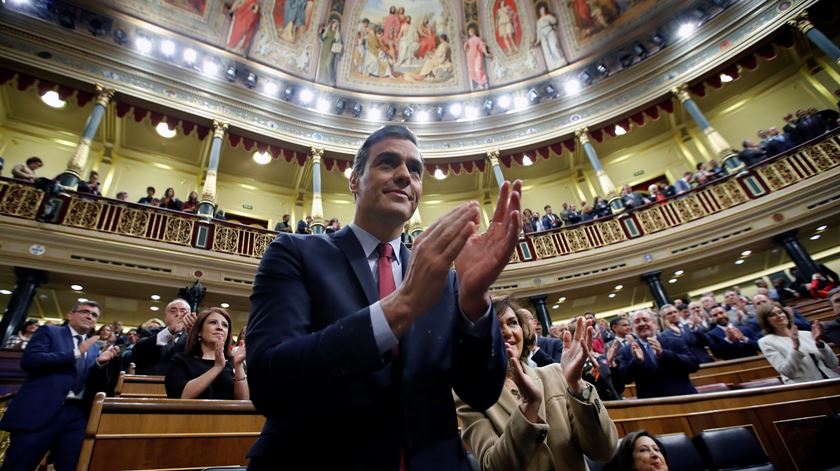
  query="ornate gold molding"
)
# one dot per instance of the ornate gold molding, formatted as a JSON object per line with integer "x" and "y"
{"x": 802, "y": 22}
{"x": 718, "y": 143}
{"x": 103, "y": 95}
{"x": 79, "y": 160}
{"x": 208, "y": 191}
{"x": 493, "y": 157}
{"x": 316, "y": 153}
{"x": 681, "y": 92}
{"x": 582, "y": 136}
{"x": 219, "y": 129}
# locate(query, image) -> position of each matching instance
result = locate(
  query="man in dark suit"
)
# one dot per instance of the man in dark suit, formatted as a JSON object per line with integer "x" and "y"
{"x": 751, "y": 154}
{"x": 550, "y": 220}
{"x": 355, "y": 341}
{"x": 64, "y": 370}
{"x": 303, "y": 226}
{"x": 658, "y": 366}
{"x": 695, "y": 340}
{"x": 728, "y": 341}
{"x": 153, "y": 353}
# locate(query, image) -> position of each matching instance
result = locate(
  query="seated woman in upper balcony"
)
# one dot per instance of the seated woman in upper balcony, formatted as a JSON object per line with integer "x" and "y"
{"x": 798, "y": 356}
{"x": 546, "y": 418}
{"x": 191, "y": 205}
{"x": 169, "y": 201}
{"x": 205, "y": 370}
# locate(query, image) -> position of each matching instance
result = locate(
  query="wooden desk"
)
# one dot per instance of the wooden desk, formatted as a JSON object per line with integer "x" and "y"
{"x": 129, "y": 385}
{"x": 173, "y": 434}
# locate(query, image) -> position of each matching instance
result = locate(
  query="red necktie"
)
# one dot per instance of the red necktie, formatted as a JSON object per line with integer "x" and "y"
{"x": 386, "y": 274}
{"x": 386, "y": 287}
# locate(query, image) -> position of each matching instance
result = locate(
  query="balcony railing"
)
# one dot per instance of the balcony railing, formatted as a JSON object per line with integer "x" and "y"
{"x": 109, "y": 216}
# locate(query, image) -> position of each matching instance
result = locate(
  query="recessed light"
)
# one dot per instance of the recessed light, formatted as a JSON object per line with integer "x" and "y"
{"x": 679, "y": 272}
{"x": 520, "y": 102}
{"x": 210, "y": 67}
{"x": 822, "y": 228}
{"x": 225, "y": 305}
{"x": 672, "y": 280}
{"x": 815, "y": 237}
{"x": 526, "y": 161}
{"x": 746, "y": 253}
{"x": 572, "y": 87}
{"x": 262, "y": 158}
{"x": 143, "y": 44}
{"x": 374, "y": 114}
{"x": 611, "y": 295}
{"x": 322, "y": 105}
{"x": 155, "y": 297}
{"x": 726, "y": 78}
{"x": 422, "y": 116}
{"x": 165, "y": 131}
{"x": 153, "y": 308}
{"x": 77, "y": 287}
{"x": 439, "y": 174}
{"x": 556, "y": 306}
{"x": 503, "y": 102}
{"x": 470, "y": 112}
{"x": 306, "y": 96}
{"x": 190, "y": 56}
{"x": 5, "y": 291}
{"x": 455, "y": 109}
{"x": 739, "y": 261}
{"x": 167, "y": 47}
{"x": 618, "y": 287}
{"x": 270, "y": 88}
{"x": 347, "y": 172}
{"x": 562, "y": 298}
{"x": 619, "y": 130}
{"x": 52, "y": 99}
{"x": 82, "y": 300}
{"x": 686, "y": 29}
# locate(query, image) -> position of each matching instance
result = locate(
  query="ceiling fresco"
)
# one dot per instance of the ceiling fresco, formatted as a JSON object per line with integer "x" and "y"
{"x": 404, "y": 47}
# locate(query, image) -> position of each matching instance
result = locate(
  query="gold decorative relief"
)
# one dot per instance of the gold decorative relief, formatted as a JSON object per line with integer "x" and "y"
{"x": 651, "y": 220}
{"x": 21, "y": 201}
{"x": 544, "y": 246}
{"x": 178, "y": 230}
{"x": 768, "y": 174}
{"x": 261, "y": 243}
{"x": 735, "y": 192}
{"x": 611, "y": 232}
{"x": 514, "y": 257}
{"x": 577, "y": 240}
{"x": 83, "y": 213}
{"x": 133, "y": 222}
{"x": 225, "y": 239}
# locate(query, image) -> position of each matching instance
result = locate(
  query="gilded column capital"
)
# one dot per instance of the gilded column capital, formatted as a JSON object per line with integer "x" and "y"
{"x": 681, "y": 92}
{"x": 103, "y": 94}
{"x": 219, "y": 129}
{"x": 493, "y": 157}
{"x": 316, "y": 153}
{"x": 802, "y": 22}
{"x": 582, "y": 135}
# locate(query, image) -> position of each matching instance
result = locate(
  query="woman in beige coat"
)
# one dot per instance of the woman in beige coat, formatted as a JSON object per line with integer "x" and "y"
{"x": 546, "y": 418}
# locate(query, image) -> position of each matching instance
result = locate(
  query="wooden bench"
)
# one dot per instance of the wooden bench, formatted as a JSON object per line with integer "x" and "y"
{"x": 172, "y": 434}
{"x": 129, "y": 385}
{"x": 761, "y": 408}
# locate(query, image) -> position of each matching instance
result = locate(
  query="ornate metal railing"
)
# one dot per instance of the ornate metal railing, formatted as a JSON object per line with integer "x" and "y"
{"x": 104, "y": 215}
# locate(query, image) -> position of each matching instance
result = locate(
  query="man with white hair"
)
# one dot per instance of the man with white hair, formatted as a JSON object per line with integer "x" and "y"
{"x": 659, "y": 366}
{"x": 798, "y": 319}
{"x": 153, "y": 354}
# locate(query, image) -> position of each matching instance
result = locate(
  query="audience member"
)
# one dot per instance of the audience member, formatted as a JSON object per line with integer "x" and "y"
{"x": 127, "y": 348}
{"x": 552, "y": 346}
{"x": 785, "y": 292}
{"x": 21, "y": 339}
{"x": 283, "y": 225}
{"x": 153, "y": 354}
{"x": 798, "y": 319}
{"x": 527, "y": 221}
{"x": 550, "y": 220}
{"x": 658, "y": 366}
{"x": 751, "y": 154}
{"x": 798, "y": 356}
{"x": 191, "y": 205}
{"x": 49, "y": 413}
{"x": 205, "y": 370}
{"x": 820, "y": 286}
{"x": 655, "y": 194}
{"x": 150, "y": 197}
{"x": 27, "y": 171}
{"x": 169, "y": 200}
{"x": 91, "y": 186}
{"x": 601, "y": 208}
{"x": 726, "y": 340}
{"x": 303, "y": 226}
{"x": 695, "y": 339}
{"x": 545, "y": 418}
{"x": 632, "y": 199}
{"x": 683, "y": 185}
{"x": 104, "y": 333}
{"x": 831, "y": 329}
{"x": 639, "y": 451}
{"x": 122, "y": 196}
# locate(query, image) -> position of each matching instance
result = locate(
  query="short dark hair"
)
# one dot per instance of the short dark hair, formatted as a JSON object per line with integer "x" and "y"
{"x": 34, "y": 160}
{"x": 545, "y": 208}
{"x": 500, "y": 305}
{"x": 88, "y": 303}
{"x": 148, "y": 188}
{"x": 763, "y": 314}
{"x": 623, "y": 458}
{"x": 193, "y": 346}
{"x": 615, "y": 320}
{"x": 391, "y": 131}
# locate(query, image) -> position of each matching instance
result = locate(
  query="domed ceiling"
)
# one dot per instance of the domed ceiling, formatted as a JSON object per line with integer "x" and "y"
{"x": 469, "y": 76}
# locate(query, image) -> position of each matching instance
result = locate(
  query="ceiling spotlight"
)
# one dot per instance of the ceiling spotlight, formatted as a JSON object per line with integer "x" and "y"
{"x": 556, "y": 306}
{"x": 390, "y": 112}
{"x": 439, "y": 111}
{"x": 306, "y": 96}
{"x": 488, "y": 106}
{"x": 746, "y": 253}
{"x": 739, "y": 261}
{"x": 374, "y": 114}
{"x": 470, "y": 112}
{"x": 822, "y": 228}
{"x": 156, "y": 297}
{"x": 339, "y": 105}
{"x": 143, "y": 44}
{"x": 77, "y": 287}
{"x": 611, "y": 295}
{"x": 672, "y": 280}
{"x": 225, "y": 305}
{"x": 503, "y": 102}
{"x": 251, "y": 80}
{"x": 686, "y": 29}
{"x": 270, "y": 88}
{"x": 526, "y": 161}
{"x": 154, "y": 308}
{"x": 322, "y": 105}
{"x": 288, "y": 92}
{"x": 422, "y": 116}
{"x": 455, "y": 109}
{"x": 5, "y": 292}
{"x": 165, "y": 131}
{"x": 230, "y": 73}
{"x": 357, "y": 109}
{"x": 550, "y": 91}
{"x": 262, "y": 158}
{"x": 439, "y": 175}
{"x": 619, "y": 287}
{"x": 347, "y": 172}
{"x": 520, "y": 102}
{"x": 815, "y": 237}
{"x": 407, "y": 111}
{"x": 585, "y": 77}
{"x": 726, "y": 78}
{"x": 562, "y": 299}
{"x": 167, "y": 47}
{"x": 120, "y": 37}
{"x": 190, "y": 56}
{"x": 619, "y": 130}
{"x": 82, "y": 300}
{"x": 602, "y": 69}
{"x": 210, "y": 67}
{"x": 533, "y": 95}
{"x": 52, "y": 99}
{"x": 679, "y": 272}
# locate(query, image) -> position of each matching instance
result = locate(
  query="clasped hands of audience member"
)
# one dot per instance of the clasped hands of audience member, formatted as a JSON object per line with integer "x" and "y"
{"x": 478, "y": 259}
{"x": 816, "y": 333}
{"x": 636, "y": 347}
{"x": 576, "y": 350}
{"x": 104, "y": 356}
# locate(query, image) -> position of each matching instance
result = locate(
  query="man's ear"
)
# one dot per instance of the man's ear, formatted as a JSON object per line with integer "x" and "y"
{"x": 354, "y": 182}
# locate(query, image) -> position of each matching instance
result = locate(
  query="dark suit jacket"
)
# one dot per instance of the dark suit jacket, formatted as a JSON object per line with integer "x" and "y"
{"x": 728, "y": 351}
{"x": 315, "y": 371}
{"x": 551, "y": 346}
{"x": 751, "y": 156}
{"x": 657, "y": 377}
{"x": 150, "y": 359}
{"x": 696, "y": 342}
{"x": 50, "y": 367}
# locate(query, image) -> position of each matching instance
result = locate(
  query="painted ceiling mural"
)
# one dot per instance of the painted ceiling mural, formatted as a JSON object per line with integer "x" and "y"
{"x": 403, "y": 47}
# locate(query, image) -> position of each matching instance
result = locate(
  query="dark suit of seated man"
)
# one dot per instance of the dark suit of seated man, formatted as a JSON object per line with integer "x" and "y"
{"x": 726, "y": 341}
{"x": 659, "y": 366}
{"x": 64, "y": 370}
{"x": 355, "y": 342}
{"x": 152, "y": 354}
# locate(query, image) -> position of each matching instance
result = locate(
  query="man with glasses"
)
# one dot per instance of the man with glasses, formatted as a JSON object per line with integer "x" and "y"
{"x": 153, "y": 354}
{"x": 65, "y": 369}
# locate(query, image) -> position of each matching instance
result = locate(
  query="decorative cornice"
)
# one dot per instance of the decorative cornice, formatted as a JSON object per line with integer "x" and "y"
{"x": 219, "y": 129}
{"x": 493, "y": 157}
{"x": 316, "y": 153}
{"x": 802, "y": 22}
{"x": 103, "y": 95}
{"x": 681, "y": 92}
{"x": 582, "y": 136}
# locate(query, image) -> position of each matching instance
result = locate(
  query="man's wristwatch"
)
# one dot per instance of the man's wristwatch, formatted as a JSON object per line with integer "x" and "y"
{"x": 584, "y": 395}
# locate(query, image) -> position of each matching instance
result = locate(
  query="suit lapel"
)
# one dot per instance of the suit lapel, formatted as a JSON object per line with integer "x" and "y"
{"x": 352, "y": 250}
{"x": 405, "y": 254}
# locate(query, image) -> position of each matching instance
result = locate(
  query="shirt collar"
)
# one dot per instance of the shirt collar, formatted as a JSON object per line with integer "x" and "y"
{"x": 74, "y": 333}
{"x": 370, "y": 242}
